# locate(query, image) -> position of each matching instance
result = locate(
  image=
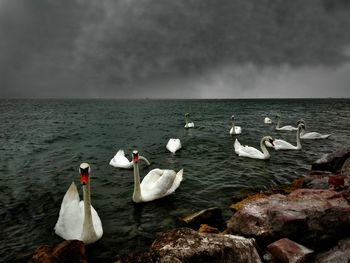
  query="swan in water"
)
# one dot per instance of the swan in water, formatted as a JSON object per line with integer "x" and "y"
{"x": 251, "y": 152}
{"x": 267, "y": 120}
{"x": 311, "y": 135}
{"x": 120, "y": 161}
{"x": 189, "y": 124}
{"x": 235, "y": 129}
{"x": 156, "y": 184}
{"x": 78, "y": 219}
{"x": 173, "y": 145}
{"x": 284, "y": 145}
{"x": 284, "y": 128}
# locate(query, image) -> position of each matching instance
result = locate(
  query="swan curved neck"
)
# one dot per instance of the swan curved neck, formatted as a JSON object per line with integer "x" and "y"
{"x": 186, "y": 119}
{"x": 136, "y": 197}
{"x": 264, "y": 149}
{"x": 278, "y": 123}
{"x": 145, "y": 160}
{"x": 298, "y": 139}
{"x": 233, "y": 124}
{"x": 88, "y": 227}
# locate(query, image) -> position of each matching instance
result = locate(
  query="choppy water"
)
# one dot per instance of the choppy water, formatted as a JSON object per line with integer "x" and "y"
{"x": 42, "y": 143}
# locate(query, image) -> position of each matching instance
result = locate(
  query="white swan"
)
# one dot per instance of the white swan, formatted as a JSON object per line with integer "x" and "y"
{"x": 267, "y": 120}
{"x": 156, "y": 184}
{"x": 284, "y": 128}
{"x": 189, "y": 124}
{"x": 284, "y": 145}
{"x": 235, "y": 129}
{"x": 251, "y": 152}
{"x": 173, "y": 145}
{"x": 78, "y": 219}
{"x": 120, "y": 161}
{"x": 313, "y": 135}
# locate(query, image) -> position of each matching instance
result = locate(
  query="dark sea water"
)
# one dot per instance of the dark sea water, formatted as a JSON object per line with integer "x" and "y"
{"x": 42, "y": 143}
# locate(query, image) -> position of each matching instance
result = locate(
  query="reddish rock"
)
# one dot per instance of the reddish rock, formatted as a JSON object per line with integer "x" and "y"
{"x": 67, "y": 251}
{"x": 321, "y": 216}
{"x": 338, "y": 254}
{"x": 186, "y": 245}
{"x": 326, "y": 180}
{"x": 288, "y": 251}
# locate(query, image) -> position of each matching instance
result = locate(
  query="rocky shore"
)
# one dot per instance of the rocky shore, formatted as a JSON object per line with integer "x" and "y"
{"x": 308, "y": 221}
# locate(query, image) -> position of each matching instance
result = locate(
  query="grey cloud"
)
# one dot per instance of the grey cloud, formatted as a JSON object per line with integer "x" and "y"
{"x": 129, "y": 48}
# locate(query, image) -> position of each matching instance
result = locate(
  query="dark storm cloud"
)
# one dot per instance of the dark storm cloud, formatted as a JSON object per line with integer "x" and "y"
{"x": 165, "y": 48}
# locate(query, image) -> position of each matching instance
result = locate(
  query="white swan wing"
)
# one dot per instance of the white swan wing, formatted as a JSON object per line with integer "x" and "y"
{"x": 70, "y": 221}
{"x": 156, "y": 184}
{"x": 283, "y": 145}
{"x": 237, "y": 145}
{"x": 120, "y": 161}
{"x": 287, "y": 128}
{"x": 248, "y": 151}
{"x": 238, "y": 129}
{"x": 267, "y": 120}
{"x": 314, "y": 135}
{"x": 176, "y": 183}
{"x": 173, "y": 145}
{"x": 189, "y": 125}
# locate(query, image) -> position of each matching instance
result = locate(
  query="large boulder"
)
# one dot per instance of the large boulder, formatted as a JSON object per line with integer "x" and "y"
{"x": 338, "y": 254}
{"x": 308, "y": 216}
{"x": 333, "y": 162}
{"x": 70, "y": 251}
{"x": 186, "y": 245}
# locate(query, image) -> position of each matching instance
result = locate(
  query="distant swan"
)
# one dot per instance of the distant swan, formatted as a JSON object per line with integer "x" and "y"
{"x": 189, "y": 124}
{"x": 284, "y": 128}
{"x": 284, "y": 145}
{"x": 251, "y": 152}
{"x": 311, "y": 135}
{"x": 156, "y": 184}
{"x": 235, "y": 129}
{"x": 267, "y": 120}
{"x": 120, "y": 161}
{"x": 78, "y": 219}
{"x": 173, "y": 145}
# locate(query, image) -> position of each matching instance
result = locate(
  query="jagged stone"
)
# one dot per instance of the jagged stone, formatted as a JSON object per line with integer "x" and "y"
{"x": 67, "y": 251}
{"x": 186, "y": 245}
{"x": 287, "y": 251}
{"x": 321, "y": 215}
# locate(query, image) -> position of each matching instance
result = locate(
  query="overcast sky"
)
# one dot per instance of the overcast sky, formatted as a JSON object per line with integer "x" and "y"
{"x": 174, "y": 49}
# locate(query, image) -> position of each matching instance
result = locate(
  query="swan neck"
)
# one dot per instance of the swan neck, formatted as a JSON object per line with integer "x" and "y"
{"x": 264, "y": 149}
{"x": 88, "y": 227}
{"x": 233, "y": 124}
{"x": 298, "y": 139}
{"x": 145, "y": 160}
{"x": 136, "y": 197}
{"x": 278, "y": 123}
{"x": 186, "y": 119}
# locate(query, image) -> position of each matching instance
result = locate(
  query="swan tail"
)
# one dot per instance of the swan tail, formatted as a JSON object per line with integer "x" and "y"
{"x": 177, "y": 182}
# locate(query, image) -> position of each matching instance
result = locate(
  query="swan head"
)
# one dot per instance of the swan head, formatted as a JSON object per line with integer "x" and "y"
{"x": 84, "y": 170}
{"x": 277, "y": 116}
{"x": 187, "y": 115}
{"x": 269, "y": 139}
{"x": 301, "y": 124}
{"x": 232, "y": 117}
{"x": 135, "y": 156}
{"x": 301, "y": 121}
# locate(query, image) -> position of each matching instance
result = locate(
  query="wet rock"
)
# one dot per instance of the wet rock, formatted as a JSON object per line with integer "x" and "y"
{"x": 338, "y": 254}
{"x": 326, "y": 180}
{"x": 332, "y": 162}
{"x": 321, "y": 216}
{"x": 67, "y": 251}
{"x": 211, "y": 216}
{"x": 186, "y": 245}
{"x": 287, "y": 251}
